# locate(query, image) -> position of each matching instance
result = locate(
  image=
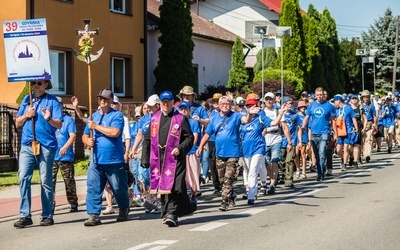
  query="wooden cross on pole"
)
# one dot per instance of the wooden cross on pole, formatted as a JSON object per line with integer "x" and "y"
{"x": 86, "y": 42}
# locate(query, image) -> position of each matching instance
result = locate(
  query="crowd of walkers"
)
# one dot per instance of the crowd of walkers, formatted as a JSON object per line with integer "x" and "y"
{"x": 161, "y": 159}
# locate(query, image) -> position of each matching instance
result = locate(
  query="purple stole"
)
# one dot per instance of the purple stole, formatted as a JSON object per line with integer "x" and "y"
{"x": 163, "y": 181}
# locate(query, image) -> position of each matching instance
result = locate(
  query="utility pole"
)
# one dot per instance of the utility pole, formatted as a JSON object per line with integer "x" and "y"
{"x": 395, "y": 55}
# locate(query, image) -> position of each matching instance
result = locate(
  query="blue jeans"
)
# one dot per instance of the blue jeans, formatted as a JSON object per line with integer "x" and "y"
{"x": 205, "y": 162}
{"x": 319, "y": 143}
{"x": 97, "y": 176}
{"x": 27, "y": 162}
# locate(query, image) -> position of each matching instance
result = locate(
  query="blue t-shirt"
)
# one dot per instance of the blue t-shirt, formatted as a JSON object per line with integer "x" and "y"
{"x": 213, "y": 113}
{"x": 304, "y": 135}
{"x": 252, "y": 140}
{"x": 369, "y": 110}
{"x": 144, "y": 123}
{"x": 292, "y": 122}
{"x": 45, "y": 132}
{"x": 196, "y": 128}
{"x": 62, "y": 136}
{"x": 320, "y": 115}
{"x": 390, "y": 115}
{"x": 108, "y": 150}
{"x": 227, "y": 139}
{"x": 133, "y": 130}
{"x": 348, "y": 113}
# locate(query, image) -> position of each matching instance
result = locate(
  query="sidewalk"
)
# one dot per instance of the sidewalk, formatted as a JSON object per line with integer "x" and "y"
{"x": 10, "y": 199}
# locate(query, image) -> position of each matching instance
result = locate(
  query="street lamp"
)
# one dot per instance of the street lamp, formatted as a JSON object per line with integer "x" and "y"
{"x": 283, "y": 31}
{"x": 262, "y": 31}
{"x": 367, "y": 59}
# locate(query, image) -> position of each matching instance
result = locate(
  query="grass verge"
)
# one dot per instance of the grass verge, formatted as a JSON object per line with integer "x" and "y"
{"x": 10, "y": 179}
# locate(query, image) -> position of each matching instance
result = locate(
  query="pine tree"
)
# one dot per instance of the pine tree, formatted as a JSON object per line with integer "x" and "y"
{"x": 269, "y": 59}
{"x": 315, "y": 72}
{"x": 238, "y": 76}
{"x": 293, "y": 47}
{"x": 351, "y": 65}
{"x": 381, "y": 35}
{"x": 174, "y": 69}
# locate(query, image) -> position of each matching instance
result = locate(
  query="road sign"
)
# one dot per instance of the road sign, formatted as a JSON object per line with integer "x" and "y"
{"x": 26, "y": 50}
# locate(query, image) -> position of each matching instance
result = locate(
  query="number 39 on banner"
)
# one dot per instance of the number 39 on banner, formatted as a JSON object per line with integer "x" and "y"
{"x": 11, "y": 26}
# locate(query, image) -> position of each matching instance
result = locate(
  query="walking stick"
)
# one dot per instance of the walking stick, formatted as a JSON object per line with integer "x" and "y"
{"x": 86, "y": 43}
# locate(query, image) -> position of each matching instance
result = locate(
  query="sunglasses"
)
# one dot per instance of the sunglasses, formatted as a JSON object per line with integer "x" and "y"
{"x": 38, "y": 83}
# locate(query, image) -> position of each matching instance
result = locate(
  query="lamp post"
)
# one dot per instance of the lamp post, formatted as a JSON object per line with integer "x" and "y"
{"x": 283, "y": 31}
{"x": 262, "y": 31}
{"x": 367, "y": 59}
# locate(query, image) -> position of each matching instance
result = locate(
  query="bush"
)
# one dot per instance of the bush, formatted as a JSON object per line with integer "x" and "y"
{"x": 275, "y": 74}
{"x": 23, "y": 93}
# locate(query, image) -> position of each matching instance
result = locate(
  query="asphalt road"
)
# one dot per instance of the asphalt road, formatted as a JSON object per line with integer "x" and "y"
{"x": 357, "y": 209}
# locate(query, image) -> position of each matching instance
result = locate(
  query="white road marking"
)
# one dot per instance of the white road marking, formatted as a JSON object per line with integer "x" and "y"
{"x": 209, "y": 226}
{"x": 252, "y": 211}
{"x": 159, "y": 244}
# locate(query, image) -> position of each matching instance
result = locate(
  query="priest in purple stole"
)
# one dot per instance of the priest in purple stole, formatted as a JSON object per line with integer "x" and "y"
{"x": 165, "y": 145}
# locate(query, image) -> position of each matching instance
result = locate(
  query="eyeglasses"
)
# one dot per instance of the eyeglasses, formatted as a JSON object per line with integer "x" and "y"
{"x": 224, "y": 104}
{"x": 38, "y": 83}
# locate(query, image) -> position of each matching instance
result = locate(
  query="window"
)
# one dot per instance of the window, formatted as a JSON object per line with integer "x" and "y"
{"x": 58, "y": 67}
{"x": 118, "y": 6}
{"x": 118, "y": 75}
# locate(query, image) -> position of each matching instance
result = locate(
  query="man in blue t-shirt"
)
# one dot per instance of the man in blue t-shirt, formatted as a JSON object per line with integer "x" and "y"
{"x": 389, "y": 116}
{"x": 108, "y": 159}
{"x": 322, "y": 115}
{"x": 225, "y": 126}
{"x": 65, "y": 158}
{"x": 38, "y": 148}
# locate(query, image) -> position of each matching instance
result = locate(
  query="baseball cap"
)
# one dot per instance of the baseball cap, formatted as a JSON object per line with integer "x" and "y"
{"x": 184, "y": 105}
{"x": 286, "y": 99}
{"x": 353, "y": 96}
{"x": 153, "y": 100}
{"x": 166, "y": 95}
{"x": 137, "y": 111}
{"x": 304, "y": 93}
{"x": 106, "y": 93}
{"x": 388, "y": 98}
{"x": 270, "y": 95}
{"x": 116, "y": 100}
{"x": 240, "y": 100}
{"x": 278, "y": 92}
{"x": 338, "y": 98}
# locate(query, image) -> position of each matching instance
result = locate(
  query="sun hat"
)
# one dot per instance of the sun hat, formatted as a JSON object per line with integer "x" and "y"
{"x": 187, "y": 90}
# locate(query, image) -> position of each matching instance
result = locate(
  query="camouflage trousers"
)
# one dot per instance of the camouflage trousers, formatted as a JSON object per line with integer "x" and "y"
{"x": 68, "y": 173}
{"x": 226, "y": 168}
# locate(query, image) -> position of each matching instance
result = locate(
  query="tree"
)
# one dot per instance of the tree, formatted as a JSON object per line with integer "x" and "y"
{"x": 293, "y": 59}
{"x": 351, "y": 65}
{"x": 174, "y": 69}
{"x": 238, "y": 75}
{"x": 24, "y": 92}
{"x": 381, "y": 35}
{"x": 315, "y": 72}
{"x": 329, "y": 48}
{"x": 269, "y": 59}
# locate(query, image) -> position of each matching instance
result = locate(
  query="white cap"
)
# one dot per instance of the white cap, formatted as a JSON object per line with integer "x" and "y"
{"x": 390, "y": 94}
{"x": 239, "y": 98}
{"x": 137, "y": 111}
{"x": 153, "y": 100}
{"x": 116, "y": 100}
{"x": 269, "y": 94}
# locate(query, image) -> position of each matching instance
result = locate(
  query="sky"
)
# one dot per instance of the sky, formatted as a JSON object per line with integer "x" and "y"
{"x": 354, "y": 16}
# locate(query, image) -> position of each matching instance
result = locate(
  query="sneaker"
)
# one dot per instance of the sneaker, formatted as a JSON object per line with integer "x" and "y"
{"x": 108, "y": 210}
{"x": 263, "y": 189}
{"x": 47, "y": 222}
{"x": 298, "y": 174}
{"x": 271, "y": 189}
{"x": 245, "y": 195}
{"x": 289, "y": 185}
{"x": 250, "y": 202}
{"x": 304, "y": 176}
{"x": 351, "y": 161}
{"x": 343, "y": 167}
{"x": 367, "y": 159}
{"x": 378, "y": 150}
{"x": 171, "y": 220}
{"x": 147, "y": 211}
{"x": 203, "y": 180}
{"x": 389, "y": 150}
{"x": 123, "y": 214}
{"x": 93, "y": 220}
{"x": 74, "y": 208}
{"x": 23, "y": 222}
{"x": 193, "y": 200}
{"x": 224, "y": 206}
{"x": 329, "y": 172}
{"x": 136, "y": 202}
{"x": 355, "y": 165}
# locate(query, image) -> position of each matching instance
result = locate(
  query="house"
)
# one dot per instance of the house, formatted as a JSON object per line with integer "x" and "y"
{"x": 211, "y": 55}
{"x": 241, "y": 18}
{"x": 122, "y": 31}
